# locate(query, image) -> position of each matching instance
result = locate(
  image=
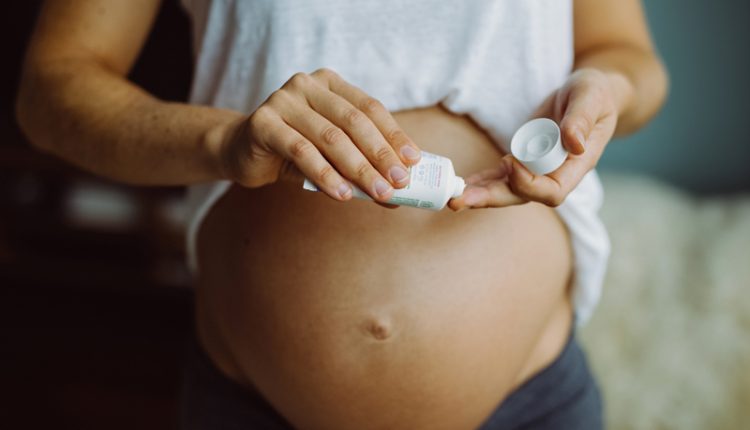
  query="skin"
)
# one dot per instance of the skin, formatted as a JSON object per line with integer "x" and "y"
{"x": 75, "y": 101}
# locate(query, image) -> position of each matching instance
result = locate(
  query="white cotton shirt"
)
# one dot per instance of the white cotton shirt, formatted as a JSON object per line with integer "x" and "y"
{"x": 494, "y": 60}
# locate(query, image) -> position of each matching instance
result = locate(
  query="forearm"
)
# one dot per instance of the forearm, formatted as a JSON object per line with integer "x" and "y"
{"x": 639, "y": 81}
{"x": 96, "y": 119}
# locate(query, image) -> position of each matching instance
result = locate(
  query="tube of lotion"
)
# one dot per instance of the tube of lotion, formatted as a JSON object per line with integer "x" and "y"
{"x": 432, "y": 183}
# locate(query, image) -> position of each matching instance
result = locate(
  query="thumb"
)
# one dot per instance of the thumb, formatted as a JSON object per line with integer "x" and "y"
{"x": 579, "y": 119}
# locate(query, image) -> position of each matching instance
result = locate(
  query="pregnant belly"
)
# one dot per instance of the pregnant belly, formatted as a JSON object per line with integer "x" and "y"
{"x": 351, "y": 315}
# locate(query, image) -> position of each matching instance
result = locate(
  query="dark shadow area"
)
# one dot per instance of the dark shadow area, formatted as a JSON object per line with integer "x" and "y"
{"x": 94, "y": 299}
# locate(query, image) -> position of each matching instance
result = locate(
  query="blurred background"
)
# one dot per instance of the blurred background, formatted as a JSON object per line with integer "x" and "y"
{"x": 699, "y": 141}
{"x": 94, "y": 311}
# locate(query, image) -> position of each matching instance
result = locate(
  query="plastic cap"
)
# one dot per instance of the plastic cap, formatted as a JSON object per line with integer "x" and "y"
{"x": 537, "y": 146}
{"x": 458, "y": 186}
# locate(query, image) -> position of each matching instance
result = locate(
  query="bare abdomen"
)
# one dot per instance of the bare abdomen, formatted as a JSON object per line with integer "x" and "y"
{"x": 351, "y": 315}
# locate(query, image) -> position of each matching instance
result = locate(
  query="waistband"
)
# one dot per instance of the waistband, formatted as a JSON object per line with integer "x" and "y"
{"x": 552, "y": 388}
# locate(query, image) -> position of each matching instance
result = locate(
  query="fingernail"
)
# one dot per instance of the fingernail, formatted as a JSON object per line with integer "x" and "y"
{"x": 344, "y": 190}
{"x": 381, "y": 187}
{"x": 399, "y": 174}
{"x": 470, "y": 200}
{"x": 409, "y": 152}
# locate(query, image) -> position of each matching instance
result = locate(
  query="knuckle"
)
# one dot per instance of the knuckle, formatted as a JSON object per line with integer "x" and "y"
{"x": 326, "y": 173}
{"x": 362, "y": 169}
{"x": 353, "y": 117}
{"x": 281, "y": 99}
{"x": 300, "y": 148}
{"x": 298, "y": 80}
{"x": 324, "y": 72}
{"x": 260, "y": 115}
{"x": 332, "y": 135}
{"x": 277, "y": 98}
{"x": 371, "y": 105}
{"x": 397, "y": 136}
{"x": 382, "y": 154}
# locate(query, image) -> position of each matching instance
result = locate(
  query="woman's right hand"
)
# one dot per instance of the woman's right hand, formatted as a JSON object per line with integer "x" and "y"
{"x": 328, "y": 130}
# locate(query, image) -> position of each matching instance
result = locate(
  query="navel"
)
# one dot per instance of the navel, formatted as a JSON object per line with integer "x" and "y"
{"x": 378, "y": 328}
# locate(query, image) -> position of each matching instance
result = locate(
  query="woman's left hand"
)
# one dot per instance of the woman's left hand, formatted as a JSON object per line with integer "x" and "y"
{"x": 586, "y": 109}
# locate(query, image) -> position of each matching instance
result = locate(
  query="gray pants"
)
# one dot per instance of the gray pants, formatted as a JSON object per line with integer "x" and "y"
{"x": 563, "y": 395}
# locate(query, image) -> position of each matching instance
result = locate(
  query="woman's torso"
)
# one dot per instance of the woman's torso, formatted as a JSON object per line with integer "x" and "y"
{"x": 351, "y": 315}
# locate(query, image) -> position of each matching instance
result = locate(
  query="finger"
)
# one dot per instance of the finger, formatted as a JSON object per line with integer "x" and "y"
{"x": 495, "y": 193}
{"x": 581, "y": 115}
{"x": 549, "y": 189}
{"x": 293, "y": 146}
{"x": 360, "y": 130}
{"x": 336, "y": 146}
{"x": 498, "y": 172}
{"x": 403, "y": 145}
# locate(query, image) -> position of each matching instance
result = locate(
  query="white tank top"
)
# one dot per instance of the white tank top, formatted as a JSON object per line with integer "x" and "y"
{"x": 495, "y": 60}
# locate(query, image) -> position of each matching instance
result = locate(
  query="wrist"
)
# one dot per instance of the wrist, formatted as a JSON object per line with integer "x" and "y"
{"x": 216, "y": 141}
{"x": 622, "y": 90}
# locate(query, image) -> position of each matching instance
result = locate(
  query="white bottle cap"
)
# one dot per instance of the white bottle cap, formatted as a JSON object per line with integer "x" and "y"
{"x": 537, "y": 146}
{"x": 458, "y": 186}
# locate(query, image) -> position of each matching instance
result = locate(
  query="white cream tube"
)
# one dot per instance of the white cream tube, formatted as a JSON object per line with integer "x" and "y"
{"x": 432, "y": 183}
